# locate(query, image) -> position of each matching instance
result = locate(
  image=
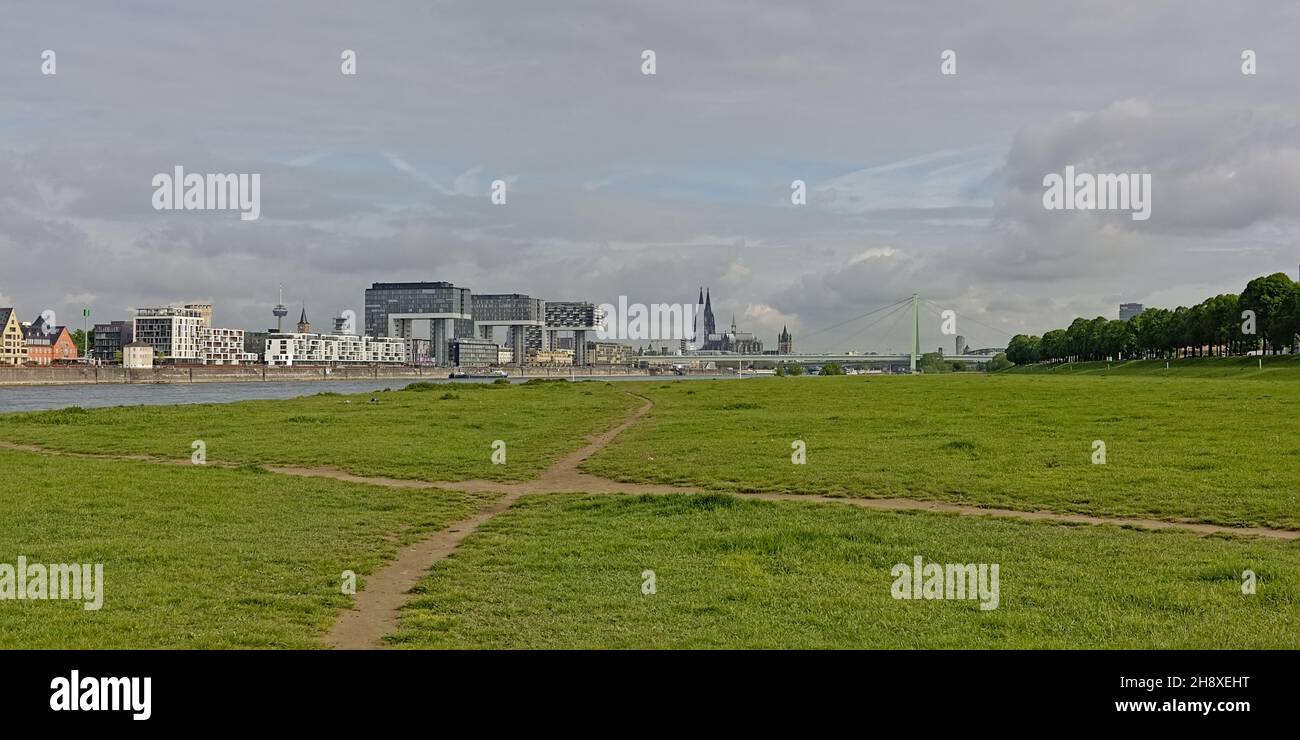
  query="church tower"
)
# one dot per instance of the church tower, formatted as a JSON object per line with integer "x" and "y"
{"x": 709, "y": 326}
{"x": 303, "y": 326}
{"x": 785, "y": 342}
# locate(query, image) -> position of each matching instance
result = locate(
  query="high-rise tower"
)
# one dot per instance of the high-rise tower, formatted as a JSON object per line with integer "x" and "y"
{"x": 280, "y": 311}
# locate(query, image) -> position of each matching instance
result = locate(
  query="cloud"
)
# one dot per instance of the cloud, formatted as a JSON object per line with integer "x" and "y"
{"x": 650, "y": 187}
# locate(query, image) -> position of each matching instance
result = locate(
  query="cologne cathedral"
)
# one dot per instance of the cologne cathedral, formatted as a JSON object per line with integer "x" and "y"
{"x": 737, "y": 342}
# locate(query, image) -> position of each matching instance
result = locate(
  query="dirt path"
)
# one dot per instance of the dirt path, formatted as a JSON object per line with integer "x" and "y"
{"x": 376, "y": 609}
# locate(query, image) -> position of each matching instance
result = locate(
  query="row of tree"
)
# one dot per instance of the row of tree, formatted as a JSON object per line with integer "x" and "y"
{"x": 1266, "y": 316}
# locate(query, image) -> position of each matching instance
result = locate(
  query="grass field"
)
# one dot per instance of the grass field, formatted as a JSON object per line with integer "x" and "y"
{"x": 566, "y": 572}
{"x": 442, "y": 433}
{"x": 1222, "y": 451}
{"x": 198, "y": 557}
{"x": 225, "y": 557}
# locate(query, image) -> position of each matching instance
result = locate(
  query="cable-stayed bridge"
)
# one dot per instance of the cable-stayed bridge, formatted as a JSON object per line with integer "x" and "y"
{"x": 896, "y": 310}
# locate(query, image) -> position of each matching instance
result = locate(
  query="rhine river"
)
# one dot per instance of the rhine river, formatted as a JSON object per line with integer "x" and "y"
{"x": 92, "y": 395}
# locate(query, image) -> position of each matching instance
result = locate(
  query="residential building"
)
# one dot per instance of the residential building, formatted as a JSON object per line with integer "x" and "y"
{"x": 429, "y": 314}
{"x": 225, "y": 347}
{"x": 47, "y": 344}
{"x": 137, "y": 356}
{"x": 13, "y": 347}
{"x": 475, "y": 352}
{"x": 326, "y": 349}
{"x": 1129, "y": 310}
{"x": 174, "y": 332}
{"x": 609, "y": 353}
{"x": 107, "y": 340}
{"x": 505, "y": 356}
{"x": 205, "y": 311}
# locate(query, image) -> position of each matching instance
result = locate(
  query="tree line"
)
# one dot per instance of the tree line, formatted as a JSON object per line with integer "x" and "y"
{"x": 1265, "y": 317}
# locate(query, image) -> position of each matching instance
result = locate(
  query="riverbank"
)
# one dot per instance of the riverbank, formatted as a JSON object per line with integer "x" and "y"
{"x": 82, "y": 375}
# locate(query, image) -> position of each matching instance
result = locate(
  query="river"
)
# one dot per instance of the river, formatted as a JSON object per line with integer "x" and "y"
{"x": 92, "y": 395}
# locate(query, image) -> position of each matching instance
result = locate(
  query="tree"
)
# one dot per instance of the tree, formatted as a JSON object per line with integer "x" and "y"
{"x": 1023, "y": 350}
{"x": 1271, "y": 298}
{"x": 999, "y": 363}
{"x": 931, "y": 362}
{"x": 831, "y": 368}
{"x": 79, "y": 339}
{"x": 1055, "y": 345}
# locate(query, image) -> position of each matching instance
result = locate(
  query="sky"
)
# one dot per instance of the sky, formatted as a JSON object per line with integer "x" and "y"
{"x": 650, "y": 186}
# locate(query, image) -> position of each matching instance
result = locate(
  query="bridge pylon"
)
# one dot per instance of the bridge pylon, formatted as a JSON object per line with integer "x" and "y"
{"x": 916, "y": 331}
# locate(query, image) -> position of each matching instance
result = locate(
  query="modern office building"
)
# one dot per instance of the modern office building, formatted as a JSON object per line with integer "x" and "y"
{"x": 174, "y": 332}
{"x": 1129, "y": 310}
{"x": 13, "y": 348}
{"x": 109, "y": 339}
{"x": 427, "y": 314}
{"x": 476, "y": 352}
{"x": 579, "y": 317}
{"x": 255, "y": 342}
{"x": 523, "y": 318}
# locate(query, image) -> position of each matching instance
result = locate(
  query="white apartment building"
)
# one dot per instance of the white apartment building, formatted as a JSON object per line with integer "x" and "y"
{"x": 175, "y": 333}
{"x": 319, "y": 349}
{"x": 225, "y": 347}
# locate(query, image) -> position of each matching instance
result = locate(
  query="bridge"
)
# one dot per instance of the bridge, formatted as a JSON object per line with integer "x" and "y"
{"x": 895, "y": 310}
{"x": 803, "y": 359}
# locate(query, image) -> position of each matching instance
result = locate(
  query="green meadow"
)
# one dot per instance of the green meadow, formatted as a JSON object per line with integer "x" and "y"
{"x": 230, "y": 556}
{"x": 199, "y": 557}
{"x": 566, "y": 571}
{"x": 1202, "y": 449}
{"x": 428, "y": 432}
